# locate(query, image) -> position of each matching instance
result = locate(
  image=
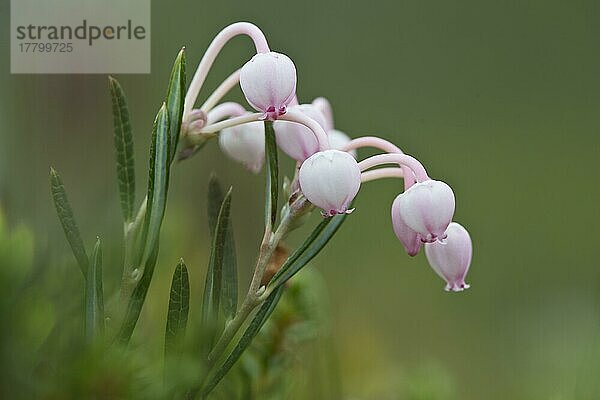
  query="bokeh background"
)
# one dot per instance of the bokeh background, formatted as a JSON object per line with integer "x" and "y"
{"x": 500, "y": 99}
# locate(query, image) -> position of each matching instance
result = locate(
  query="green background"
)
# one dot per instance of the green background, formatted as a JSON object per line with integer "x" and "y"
{"x": 500, "y": 99}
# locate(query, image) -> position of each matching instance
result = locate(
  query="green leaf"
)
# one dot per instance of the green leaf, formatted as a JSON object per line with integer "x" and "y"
{"x": 308, "y": 250}
{"x": 175, "y": 101}
{"x": 158, "y": 181}
{"x": 179, "y": 306}
{"x": 272, "y": 171}
{"x": 123, "y": 139}
{"x": 212, "y": 287}
{"x": 229, "y": 294}
{"x": 94, "y": 297}
{"x": 158, "y": 184}
{"x": 67, "y": 220}
{"x": 251, "y": 331}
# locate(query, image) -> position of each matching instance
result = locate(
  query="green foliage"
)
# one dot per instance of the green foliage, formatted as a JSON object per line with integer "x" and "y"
{"x": 229, "y": 281}
{"x": 158, "y": 184}
{"x": 245, "y": 340}
{"x": 179, "y": 307}
{"x": 123, "y": 140}
{"x": 319, "y": 237}
{"x": 212, "y": 288}
{"x": 175, "y": 101}
{"x": 67, "y": 220}
{"x": 226, "y": 332}
{"x": 94, "y": 296}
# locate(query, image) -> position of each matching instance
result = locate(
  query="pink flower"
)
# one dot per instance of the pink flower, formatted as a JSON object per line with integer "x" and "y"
{"x": 245, "y": 144}
{"x": 426, "y": 208}
{"x": 410, "y": 239}
{"x": 330, "y": 180}
{"x": 268, "y": 81}
{"x": 297, "y": 140}
{"x": 451, "y": 258}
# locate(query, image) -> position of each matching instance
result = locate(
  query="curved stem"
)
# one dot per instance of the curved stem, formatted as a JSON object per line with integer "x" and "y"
{"x": 395, "y": 158}
{"x": 380, "y": 173}
{"x": 238, "y": 28}
{"x": 228, "y": 84}
{"x": 382, "y": 144}
{"x": 228, "y": 123}
{"x": 323, "y": 105}
{"x": 223, "y": 110}
{"x": 301, "y": 118}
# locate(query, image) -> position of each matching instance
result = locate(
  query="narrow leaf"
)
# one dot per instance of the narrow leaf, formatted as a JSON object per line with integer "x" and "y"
{"x": 175, "y": 101}
{"x": 67, "y": 220}
{"x": 123, "y": 139}
{"x": 158, "y": 184}
{"x": 215, "y": 200}
{"x": 308, "y": 250}
{"x": 272, "y": 172}
{"x": 179, "y": 306}
{"x": 94, "y": 297}
{"x": 212, "y": 287}
{"x": 158, "y": 181}
{"x": 229, "y": 294}
{"x": 245, "y": 340}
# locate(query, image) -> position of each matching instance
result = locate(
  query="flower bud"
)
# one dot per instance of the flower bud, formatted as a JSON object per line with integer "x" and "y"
{"x": 451, "y": 258}
{"x": 297, "y": 140}
{"x": 410, "y": 239}
{"x": 427, "y": 208}
{"x": 268, "y": 81}
{"x": 330, "y": 180}
{"x": 245, "y": 144}
{"x": 338, "y": 140}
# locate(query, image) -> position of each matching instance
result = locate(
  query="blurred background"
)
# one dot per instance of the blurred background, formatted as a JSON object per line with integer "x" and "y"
{"x": 499, "y": 99}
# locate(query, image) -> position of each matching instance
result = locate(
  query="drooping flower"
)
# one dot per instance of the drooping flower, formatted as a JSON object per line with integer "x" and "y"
{"x": 338, "y": 140}
{"x": 451, "y": 258}
{"x": 330, "y": 180}
{"x": 409, "y": 238}
{"x": 268, "y": 81}
{"x": 245, "y": 144}
{"x": 426, "y": 208}
{"x": 297, "y": 140}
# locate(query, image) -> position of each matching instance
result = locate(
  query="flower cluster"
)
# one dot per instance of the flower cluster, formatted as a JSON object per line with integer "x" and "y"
{"x": 328, "y": 174}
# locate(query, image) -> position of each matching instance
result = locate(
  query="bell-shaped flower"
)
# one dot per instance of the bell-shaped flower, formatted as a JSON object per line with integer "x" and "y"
{"x": 245, "y": 144}
{"x": 338, "y": 140}
{"x": 268, "y": 81}
{"x": 410, "y": 239}
{"x": 451, "y": 258}
{"x": 297, "y": 140}
{"x": 330, "y": 180}
{"x": 427, "y": 208}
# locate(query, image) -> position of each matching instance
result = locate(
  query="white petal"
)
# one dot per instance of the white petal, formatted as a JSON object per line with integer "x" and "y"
{"x": 427, "y": 208}
{"x": 268, "y": 80}
{"x": 245, "y": 144}
{"x": 296, "y": 140}
{"x": 409, "y": 238}
{"x": 330, "y": 180}
{"x": 451, "y": 258}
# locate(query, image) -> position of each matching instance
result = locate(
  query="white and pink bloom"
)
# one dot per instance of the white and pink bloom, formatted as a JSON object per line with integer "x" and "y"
{"x": 245, "y": 144}
{"x": 295, "y": 139}
{"x": 426, "y": 208}
{"x": 329, "y": 175}
{"x": 268, "y": 81}
{"x": 330, "y": 180}
{"x": 451, "y": 258}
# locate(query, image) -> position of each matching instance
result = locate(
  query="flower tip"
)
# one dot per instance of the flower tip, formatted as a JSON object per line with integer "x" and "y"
{"x": 457, "y": 287}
